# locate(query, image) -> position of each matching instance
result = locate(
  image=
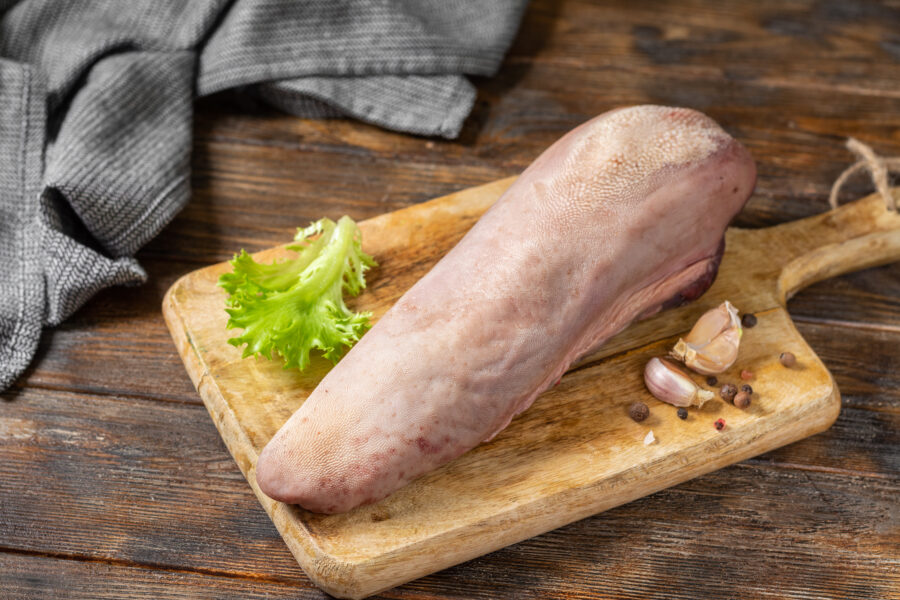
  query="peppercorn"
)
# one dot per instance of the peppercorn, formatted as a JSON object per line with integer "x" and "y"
{"x": 748, "y": 320}
{"x": 728, "y": 392}
{"x": 746, "y": 388}
{"x": 742, "y": 400}
{"x": 712, "y": 380}
{"x": 638, "y": 411}
{"x": 746, "y": 375}
{"x": 720, "y": 424}
{"x": 682, "y": 413}
{"x": 788, "y": 359}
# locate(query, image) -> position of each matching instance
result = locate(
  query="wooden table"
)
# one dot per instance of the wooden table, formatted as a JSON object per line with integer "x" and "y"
{"x": 114, "y": 482}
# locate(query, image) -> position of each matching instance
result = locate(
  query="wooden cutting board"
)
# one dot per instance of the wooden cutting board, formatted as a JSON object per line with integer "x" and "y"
{"x": 575, "y": 452}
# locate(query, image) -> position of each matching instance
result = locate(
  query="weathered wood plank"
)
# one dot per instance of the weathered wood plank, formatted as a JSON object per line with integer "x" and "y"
{"x": 864, "y": 362}
{"x": 692, "y": 565}
{"x": 28, "y": 577}
{"x": 735, "y": 533}
{"x": 830, "y": 44}
{"x": 581, "y": 561}
{"x": 135, "y": 480}
{"x": 861, "y": 441}
{"x": 870, "y": 297}
{"x": 151, "y": 483}
{"x": 747, "y": 531}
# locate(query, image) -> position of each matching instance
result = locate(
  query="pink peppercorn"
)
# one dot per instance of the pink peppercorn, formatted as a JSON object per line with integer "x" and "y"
{"x": 720, "y": 424}
{"x": 746, "y": 375}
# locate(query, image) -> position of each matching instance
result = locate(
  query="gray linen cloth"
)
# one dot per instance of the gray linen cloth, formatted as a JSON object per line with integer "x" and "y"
{"x": 96, "y": 106}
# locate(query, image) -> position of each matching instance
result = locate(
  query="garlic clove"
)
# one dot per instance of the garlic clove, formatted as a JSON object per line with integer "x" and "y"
{"x": 713, "y": 322}
{"x": 712, "y": 344}
{"x": 670, "y": 384}
{"x": 714, "y": 357}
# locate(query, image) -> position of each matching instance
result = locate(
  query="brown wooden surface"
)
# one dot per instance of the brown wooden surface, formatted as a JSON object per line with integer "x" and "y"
{"x": 575, "y": 452}
{"x": 107, "y": 455}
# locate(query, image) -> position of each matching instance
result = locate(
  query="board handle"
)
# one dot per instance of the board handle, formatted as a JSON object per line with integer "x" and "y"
{"x": 854, "y": 236}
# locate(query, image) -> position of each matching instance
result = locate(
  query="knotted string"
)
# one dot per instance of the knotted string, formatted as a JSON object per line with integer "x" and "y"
{"x": 879, "y": 168}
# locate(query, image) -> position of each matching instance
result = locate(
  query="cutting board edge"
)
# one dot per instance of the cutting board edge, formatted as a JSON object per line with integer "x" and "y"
{"x": 296, "y": 537}
{"x": 362, "y": 578}
{"x": 365, "y": 574}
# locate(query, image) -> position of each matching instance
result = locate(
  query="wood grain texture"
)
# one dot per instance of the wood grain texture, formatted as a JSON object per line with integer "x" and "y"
{"x": 868, "y": 298}
{"x": 30, "y": 576}
{"x": 127, "y": 479}
{"x": 300, "y": 168}
{"x": 790, "y": 79}
{"x": 554, "y": 464}
{"x": 122, "y": 475}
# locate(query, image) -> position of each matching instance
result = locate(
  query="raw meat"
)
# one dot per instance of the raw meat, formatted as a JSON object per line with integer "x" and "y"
{"x": 620, "y": 218}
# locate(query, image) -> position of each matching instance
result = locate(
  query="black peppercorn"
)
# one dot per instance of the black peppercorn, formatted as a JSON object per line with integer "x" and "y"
{"x": 742, "y": 400}
{"x": 638, "y": 411}
{"x": 746, "y": 388}
{"x": 748, "y": 320}
{"x": 728, "y": 392}
{"x": 712, "y": 380}
{"x": 682, "y": 413}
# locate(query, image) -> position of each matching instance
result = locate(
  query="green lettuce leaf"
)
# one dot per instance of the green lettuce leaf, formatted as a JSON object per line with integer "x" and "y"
{"x": 291, "y": 307}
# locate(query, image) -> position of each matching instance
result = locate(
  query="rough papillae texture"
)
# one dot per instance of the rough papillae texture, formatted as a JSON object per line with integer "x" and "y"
{"x": 96, "y": 110}
{"x": 623, "y": 216}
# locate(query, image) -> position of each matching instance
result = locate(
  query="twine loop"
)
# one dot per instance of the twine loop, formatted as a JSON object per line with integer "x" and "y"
{"x": 879, "y": 168}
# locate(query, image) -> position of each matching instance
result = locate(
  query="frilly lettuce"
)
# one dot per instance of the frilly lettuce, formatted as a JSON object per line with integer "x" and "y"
{"x": 296, "y": 305}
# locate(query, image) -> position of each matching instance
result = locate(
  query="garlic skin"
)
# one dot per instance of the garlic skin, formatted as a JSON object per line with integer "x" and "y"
{"x": 672, "y": 385}
{"x": 712, "y": 345}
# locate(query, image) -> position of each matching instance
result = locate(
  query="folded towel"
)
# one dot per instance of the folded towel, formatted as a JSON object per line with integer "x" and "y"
{"x": 96, "y": 106}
